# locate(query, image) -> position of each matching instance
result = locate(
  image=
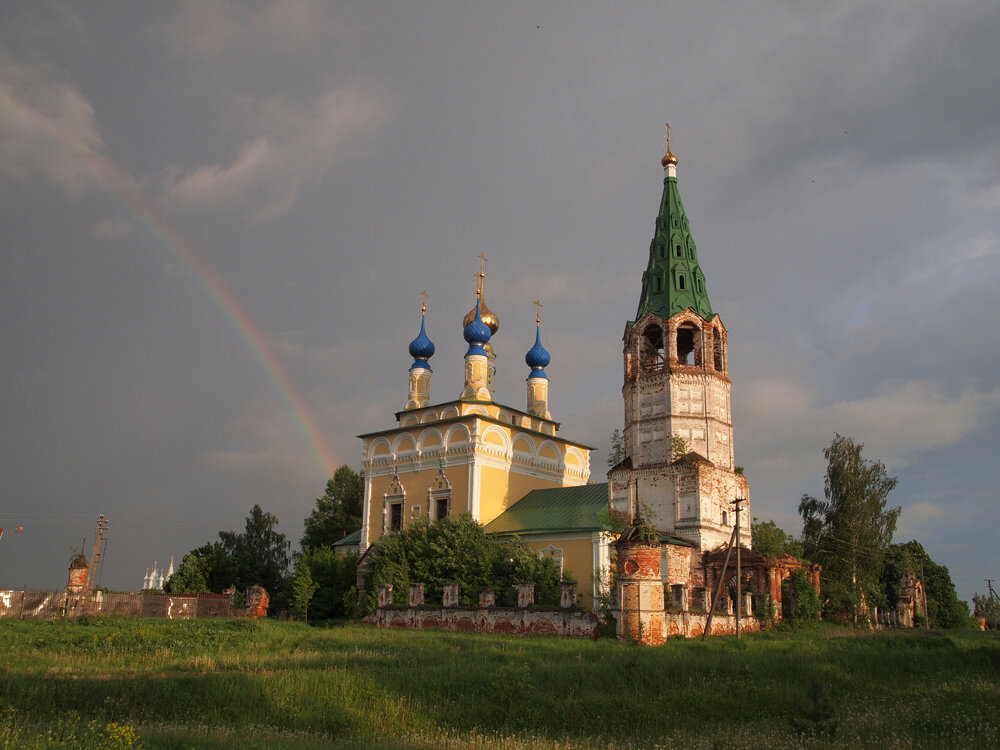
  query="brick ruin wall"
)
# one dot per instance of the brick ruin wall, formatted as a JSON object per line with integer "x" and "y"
{"x": 21, "y": 604}
{"x": 567, "y": 621}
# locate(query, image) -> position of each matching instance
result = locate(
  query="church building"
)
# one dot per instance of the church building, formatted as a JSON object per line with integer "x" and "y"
{"x": 512, "y": 470}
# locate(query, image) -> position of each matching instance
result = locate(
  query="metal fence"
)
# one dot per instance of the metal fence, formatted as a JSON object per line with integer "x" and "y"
{"x": 56, "y": 605}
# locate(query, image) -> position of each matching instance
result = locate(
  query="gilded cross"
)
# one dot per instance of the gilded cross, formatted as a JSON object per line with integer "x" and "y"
{"x": 423, "y": 306}
{"x": 482, "y": 272}
{"x": 538, "y": 312}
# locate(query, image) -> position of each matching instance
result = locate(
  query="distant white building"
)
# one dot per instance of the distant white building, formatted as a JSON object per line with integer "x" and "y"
{"x": 155, "y": 578}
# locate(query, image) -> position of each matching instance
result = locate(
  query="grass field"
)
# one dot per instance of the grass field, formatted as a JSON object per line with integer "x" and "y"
{"x": 129, "y": 682}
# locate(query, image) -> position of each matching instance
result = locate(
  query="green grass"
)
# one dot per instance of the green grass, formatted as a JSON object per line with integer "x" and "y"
{"x": 131, "y": 682}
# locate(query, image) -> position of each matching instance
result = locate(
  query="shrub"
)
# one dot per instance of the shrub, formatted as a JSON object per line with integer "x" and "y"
{"x": 799, "y": 600}
{"x": 456, "y": 550}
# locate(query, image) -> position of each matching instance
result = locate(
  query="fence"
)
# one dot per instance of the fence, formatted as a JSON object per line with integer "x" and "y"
{"x": 56, "y": 605}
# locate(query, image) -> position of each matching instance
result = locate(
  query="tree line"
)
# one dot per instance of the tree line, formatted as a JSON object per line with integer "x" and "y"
{"x": 262, "y": 556}
{"x": 849, "y": 531}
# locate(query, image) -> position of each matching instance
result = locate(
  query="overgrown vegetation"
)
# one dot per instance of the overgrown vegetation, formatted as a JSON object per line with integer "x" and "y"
{"x": 944, "y": 608}
{"x": 988, "y": 607}
{"x": 770, "y": 540}
{"x": 257, "y": 556}
{"x": 456, "y": 550}
{"x": 267, "y": 684}
{"x": 799, "y": 600}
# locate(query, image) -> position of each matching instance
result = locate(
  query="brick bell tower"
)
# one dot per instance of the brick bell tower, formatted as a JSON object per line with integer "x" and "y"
{"x": 677, "y": 386}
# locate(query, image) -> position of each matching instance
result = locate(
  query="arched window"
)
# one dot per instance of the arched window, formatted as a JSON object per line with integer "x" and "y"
{"x": 680, "y": 282}
{"x": 439, "y": 496}
{"x": 725, "y": 518}
{"x": 717, "y": 349}
{"x": 651, "y": 350}
{"x": 677, "y": 251}
{"x": 689, "y": 345}
{"x": 395, "y": 496}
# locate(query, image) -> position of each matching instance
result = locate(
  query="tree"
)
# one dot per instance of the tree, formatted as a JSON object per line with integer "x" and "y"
{"x": 303, "y": 589}
{"x": 338, "y": 512}
{"x": 851, "y": 530}
{"x": 259, "y": 556}
{"x": 191, "y": 576}
{"x": 771, "y": 541}
{"x": 336, "y": 576}
{"x": 617, "y": 453}
{"x": 944, "y": 608}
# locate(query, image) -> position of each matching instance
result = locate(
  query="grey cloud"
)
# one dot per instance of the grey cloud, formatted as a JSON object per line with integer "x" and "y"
{"x": 47, "y": 127}
{"x": 300, "y": 145}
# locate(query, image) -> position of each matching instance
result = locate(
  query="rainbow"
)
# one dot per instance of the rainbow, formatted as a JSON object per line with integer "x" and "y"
{"x": 207, "y": 278}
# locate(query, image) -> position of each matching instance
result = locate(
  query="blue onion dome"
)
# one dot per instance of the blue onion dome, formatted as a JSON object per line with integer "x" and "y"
{"x": 477, "y": 333}
{"x": 537, "y": 356}
{"x": 421, "y": 348}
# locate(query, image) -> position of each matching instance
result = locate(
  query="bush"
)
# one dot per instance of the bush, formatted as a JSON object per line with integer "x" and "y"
{"x": 336, "y": 576}
{"x": 799, "y": 600}
{"x": 456, "y": 550}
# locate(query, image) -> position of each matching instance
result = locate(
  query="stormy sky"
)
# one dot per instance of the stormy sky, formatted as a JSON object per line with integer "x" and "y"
{"x": 216, "y": 220}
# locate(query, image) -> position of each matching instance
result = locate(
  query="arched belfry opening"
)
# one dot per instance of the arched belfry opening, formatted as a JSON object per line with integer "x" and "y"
{"x": 717, "y": 358}
{"x": 689, "y": 345}
{"x": 652, "y": 351}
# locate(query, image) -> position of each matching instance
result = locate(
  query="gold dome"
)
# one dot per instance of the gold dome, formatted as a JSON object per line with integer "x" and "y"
{"x": 489, "y": 317}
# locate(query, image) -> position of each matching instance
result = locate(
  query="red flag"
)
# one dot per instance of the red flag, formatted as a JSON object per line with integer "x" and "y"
{"x": 18, "y": 528}
{"x": 1, "y": 533}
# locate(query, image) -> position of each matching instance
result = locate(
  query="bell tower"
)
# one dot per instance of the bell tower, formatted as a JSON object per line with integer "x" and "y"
{"x": 679, "y": 464}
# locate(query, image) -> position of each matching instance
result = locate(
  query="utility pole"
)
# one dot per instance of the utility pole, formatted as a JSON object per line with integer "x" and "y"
{"x": 102, "y": 524}
{"x": 739, "y": 590}
{"x": 718, "y": 587}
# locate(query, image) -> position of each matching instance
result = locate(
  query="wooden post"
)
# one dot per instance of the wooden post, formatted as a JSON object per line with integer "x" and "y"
{"x": 739, "y": 598}
{"x": 718, "y": 587}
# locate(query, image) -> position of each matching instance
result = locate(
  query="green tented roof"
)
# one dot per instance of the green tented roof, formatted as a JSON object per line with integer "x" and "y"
{"x": 351, "y": 540}
{"x": 673, "y": 280}
{"x": 554, "y": 510}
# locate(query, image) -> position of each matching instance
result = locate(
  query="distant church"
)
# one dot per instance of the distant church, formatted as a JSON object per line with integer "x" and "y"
{"x": 509, "y": 468}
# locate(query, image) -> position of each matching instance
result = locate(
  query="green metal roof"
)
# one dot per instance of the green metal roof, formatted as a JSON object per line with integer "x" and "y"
{"x": 673, "y": 280}
{"x": 675, "y": 540}
{"x": 351, "y": 540}
{"x": 554, "y": 510}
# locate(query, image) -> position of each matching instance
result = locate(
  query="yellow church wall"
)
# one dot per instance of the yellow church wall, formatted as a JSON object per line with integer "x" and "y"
{"x": 577, "y": 557}
{"x": 415, "y": 486}
{"x": 499, "y": 489}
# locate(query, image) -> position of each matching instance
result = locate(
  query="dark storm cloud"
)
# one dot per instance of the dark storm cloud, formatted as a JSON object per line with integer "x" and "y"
{"x": 331, "y": 162}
